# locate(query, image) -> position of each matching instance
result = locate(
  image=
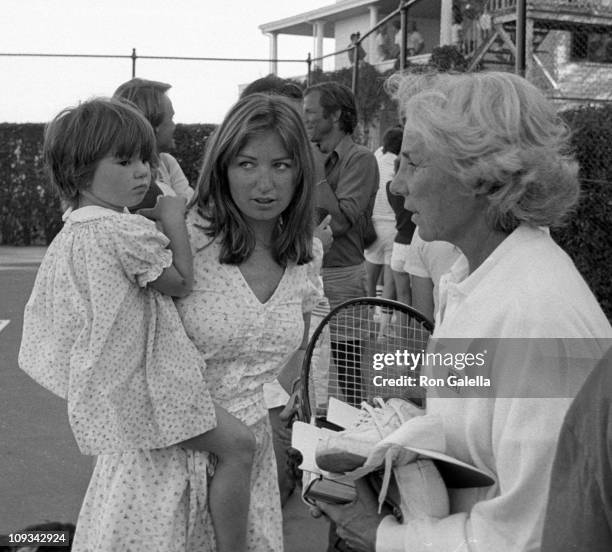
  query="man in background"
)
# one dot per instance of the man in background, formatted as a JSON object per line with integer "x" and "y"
{"x": 347, "y": 194}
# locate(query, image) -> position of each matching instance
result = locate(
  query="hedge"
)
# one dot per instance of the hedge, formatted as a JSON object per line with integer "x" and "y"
{"x": 30, "y": 211}
{"x": 190, "y": 141}
{"x": 587, "y": 237}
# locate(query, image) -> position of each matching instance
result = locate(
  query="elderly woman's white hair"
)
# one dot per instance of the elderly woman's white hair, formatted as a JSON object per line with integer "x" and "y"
{"x": 498, "y": 132}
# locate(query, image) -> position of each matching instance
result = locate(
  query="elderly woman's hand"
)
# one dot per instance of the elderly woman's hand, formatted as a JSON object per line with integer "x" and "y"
{"x": 357, "y": 522}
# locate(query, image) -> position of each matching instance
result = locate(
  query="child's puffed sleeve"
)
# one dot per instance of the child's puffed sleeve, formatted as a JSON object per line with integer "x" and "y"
{"x": 118, "y": 352}
{"x": 140, "y": 248}
{"x": 314, "y": 287}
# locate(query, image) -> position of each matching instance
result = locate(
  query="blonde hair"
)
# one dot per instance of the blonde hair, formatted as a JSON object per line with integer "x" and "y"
{"x": 499, "y": 134}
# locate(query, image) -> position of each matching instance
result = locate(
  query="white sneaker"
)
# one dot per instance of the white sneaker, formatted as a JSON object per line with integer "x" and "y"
{"x": 418, "y": 491}
{"x": 347, "y": 450}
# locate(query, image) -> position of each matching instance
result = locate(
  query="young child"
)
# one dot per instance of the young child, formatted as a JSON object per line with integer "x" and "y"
{"x": 102, "y": 331}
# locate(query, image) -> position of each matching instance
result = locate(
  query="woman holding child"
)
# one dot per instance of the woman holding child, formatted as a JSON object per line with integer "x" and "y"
{"x": 251, "y": 229}
{"x": 102, "y": 331}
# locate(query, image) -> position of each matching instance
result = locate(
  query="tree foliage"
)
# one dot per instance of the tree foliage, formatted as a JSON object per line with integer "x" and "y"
{"x": 448, "y": 58}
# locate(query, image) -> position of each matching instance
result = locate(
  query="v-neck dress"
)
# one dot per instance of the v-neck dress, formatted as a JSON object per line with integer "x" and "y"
{"x": 245, "y": 343}
{"x": 157, "y": 500}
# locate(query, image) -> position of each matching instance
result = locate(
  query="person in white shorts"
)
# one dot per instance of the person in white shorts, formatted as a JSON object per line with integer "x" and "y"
{"x": 405, "y": 230}
{"x": 378, "y": 255}
{"x": 427, "y": 263}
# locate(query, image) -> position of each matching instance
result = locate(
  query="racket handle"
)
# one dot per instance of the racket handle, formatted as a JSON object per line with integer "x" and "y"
{"x": 291, "y": 410}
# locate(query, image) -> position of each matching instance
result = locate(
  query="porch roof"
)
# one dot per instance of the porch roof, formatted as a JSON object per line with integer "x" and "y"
{"x": 301, "y": 24}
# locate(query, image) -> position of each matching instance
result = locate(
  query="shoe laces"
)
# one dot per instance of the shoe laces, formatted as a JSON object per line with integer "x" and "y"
{"x": 384, "y": 488}
{"x": 381, "y": 415}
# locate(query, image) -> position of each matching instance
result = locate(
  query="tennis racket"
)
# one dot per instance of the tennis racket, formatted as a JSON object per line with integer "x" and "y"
{"x": 369, "y": 341}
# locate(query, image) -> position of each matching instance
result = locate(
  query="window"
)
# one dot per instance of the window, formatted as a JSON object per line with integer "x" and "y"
{"x": 592, "y": 45}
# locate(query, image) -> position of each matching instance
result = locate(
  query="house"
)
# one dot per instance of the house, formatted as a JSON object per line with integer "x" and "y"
{"x": 568, "y": 47}
{"x": 568, "y": 42}
{"x": 340, "y": 20}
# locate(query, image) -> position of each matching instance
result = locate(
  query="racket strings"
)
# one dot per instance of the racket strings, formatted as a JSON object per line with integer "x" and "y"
{"x": 370, "y": 344}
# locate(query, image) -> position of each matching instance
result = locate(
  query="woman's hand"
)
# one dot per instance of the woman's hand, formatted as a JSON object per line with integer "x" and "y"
{"x": 357, "y": 522}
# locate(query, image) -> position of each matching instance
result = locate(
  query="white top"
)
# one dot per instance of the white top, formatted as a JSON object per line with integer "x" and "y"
{"x": 430, "y": 260}
{"x": 528, "y": 287}
{"x": 171, "y": 179}
{"x": 95, "y": 334}
{"x": 382, "y": 211}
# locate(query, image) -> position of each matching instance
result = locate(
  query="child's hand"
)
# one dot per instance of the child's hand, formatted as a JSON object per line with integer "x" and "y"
{"x": 166, "y": 208}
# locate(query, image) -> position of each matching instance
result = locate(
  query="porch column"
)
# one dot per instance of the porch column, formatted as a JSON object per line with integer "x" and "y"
{"x": 529, "y": 68}
{"x": 273, "y": 37}
{"x": 318, "y": 31}
{"x": 372, "y": 53}
{"x": 446, "y": 22}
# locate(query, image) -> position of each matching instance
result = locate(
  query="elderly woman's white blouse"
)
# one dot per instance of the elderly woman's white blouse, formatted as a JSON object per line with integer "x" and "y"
{"x": 95, "y": 334}
{"x": 527, "y": 288}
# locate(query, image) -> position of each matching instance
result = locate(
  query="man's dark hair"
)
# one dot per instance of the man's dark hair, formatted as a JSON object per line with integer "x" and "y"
{"x": 274, "y": 85}
{"x": 392, "y": 140}
{"x": 337, "y": 97}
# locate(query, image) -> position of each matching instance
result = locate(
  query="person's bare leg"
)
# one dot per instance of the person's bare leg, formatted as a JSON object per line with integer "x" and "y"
{"x": 402, "y": 287}
{"x": 229, "y": 492}
{"x": 373, "y": 272}
{"x": 388, "y": 291}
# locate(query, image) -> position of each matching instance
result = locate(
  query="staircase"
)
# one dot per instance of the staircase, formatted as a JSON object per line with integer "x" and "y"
{"x": 494, "y": 48}
{"x": 498, "y": 50}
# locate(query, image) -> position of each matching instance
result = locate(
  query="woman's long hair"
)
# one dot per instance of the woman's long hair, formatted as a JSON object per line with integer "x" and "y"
{"x": 248, "y": 118}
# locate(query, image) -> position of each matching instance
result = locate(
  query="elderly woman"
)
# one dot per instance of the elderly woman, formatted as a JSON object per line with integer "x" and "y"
{"x": 484, "y": 166}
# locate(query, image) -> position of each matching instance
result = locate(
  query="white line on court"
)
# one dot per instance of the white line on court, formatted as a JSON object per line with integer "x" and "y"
{"x": 3, "y": 324}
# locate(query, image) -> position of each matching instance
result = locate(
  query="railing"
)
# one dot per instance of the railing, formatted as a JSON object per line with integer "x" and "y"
{"x": 474, "y": 36}
{"x": 402, "y": 11}
{"x": 471, "y": 37}
{"x": 499, "y": 5}
{"x": 133, "y": 57}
